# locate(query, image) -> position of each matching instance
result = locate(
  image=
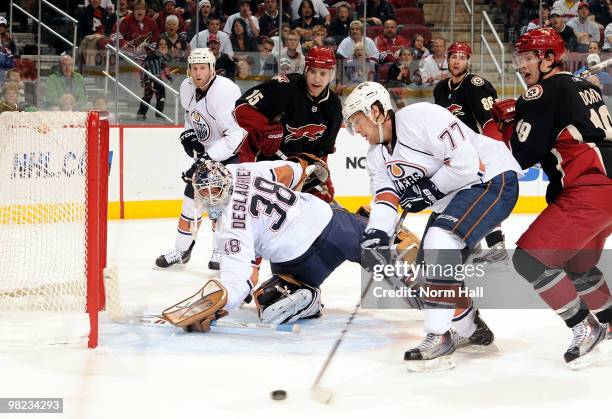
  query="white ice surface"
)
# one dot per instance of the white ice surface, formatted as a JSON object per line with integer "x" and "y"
{"x": 161, "y": 372}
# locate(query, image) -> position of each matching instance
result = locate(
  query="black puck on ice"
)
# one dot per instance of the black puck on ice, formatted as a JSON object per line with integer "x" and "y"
{"x": 278, "y": 395}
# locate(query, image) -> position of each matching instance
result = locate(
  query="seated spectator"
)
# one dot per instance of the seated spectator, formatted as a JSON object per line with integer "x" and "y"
{"x": 280, "y": 43}
{"x": 240, "y": 38}
{"x": 123, "y": 10}
{"x": 319, "y": 34}
{"x": 243, "y": 70}
{"x": 601, "y": 10}
{"x": 270, "y": 19}
{"x": 339, "y": 27}
{"x": 7, "y": 61}
{"x": 594, "y": 48}
{"x": 66, "y": 80}
{"x": 100, "y": 104}
{"x": 347, "y": 46}
{"x": 419, "y": 49}
{"x": 352, "y": 68}
{"x": 435, "y": 67}
{"x": 567, "y": 9}
{"x": 177, "y": 43}
{"x": 600, "y": 79}
{"x": 319, "y": 10}
{"x": 567, "y": 33}
{"x": 251, "y": 22}
{"x": 10, "y": 96}
{"x": 390, "y": 42}
{"x": 265, "y": 65}
{"x": 201, "y": 23}
{"x": 26, "y": 94}
{"x": 377, "y": 12}
{"x": 291, "y": 58}
{"x": 224, "y": 66}
{"x": 406, "y": 70}
{"x": 67, "y": 103}
{"x": 169, "y": 9}
{"x": 214, "y": 26}
{"x": 95, "y": 19}
{"x": 5, "y": 39}
{"x": 585, "y": 30}
{"x": 138, "y": 28}
{"x": 535, "y": 23}
{"x": 307, "y": 20}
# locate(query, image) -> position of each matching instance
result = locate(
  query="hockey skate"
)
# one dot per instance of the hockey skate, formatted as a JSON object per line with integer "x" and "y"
{"x": 481, "y": 339}
{"x": 174, "y": 259}
{"x": 433, "y": 354}
{"x": 584, "y": 350}
{"x": 494, "y": 257}
{"x": 214, "y": 264}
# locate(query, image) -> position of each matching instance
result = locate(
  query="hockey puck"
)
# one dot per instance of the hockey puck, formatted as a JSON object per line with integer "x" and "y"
{"x": 278, "y": 395}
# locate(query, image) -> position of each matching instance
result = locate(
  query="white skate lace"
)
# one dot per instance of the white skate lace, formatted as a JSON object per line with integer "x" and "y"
{"x": 173, "y": 256}
{"x": 430, "y": 341}
{"x": 580, "y": 333}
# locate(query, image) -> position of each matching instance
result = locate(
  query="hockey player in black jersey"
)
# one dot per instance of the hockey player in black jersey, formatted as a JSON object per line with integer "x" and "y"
{"x": 294, "y": 114}
{"x": 470, "y": 97}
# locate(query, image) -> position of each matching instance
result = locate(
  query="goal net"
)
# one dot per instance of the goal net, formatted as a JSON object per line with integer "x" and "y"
{"x": 53, "y": 204}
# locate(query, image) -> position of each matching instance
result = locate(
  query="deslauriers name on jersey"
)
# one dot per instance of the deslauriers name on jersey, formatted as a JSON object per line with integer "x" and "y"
{"x": 404, "y": 174}
{"x": 590, "y": 96}
{"x": 240, "y": 198}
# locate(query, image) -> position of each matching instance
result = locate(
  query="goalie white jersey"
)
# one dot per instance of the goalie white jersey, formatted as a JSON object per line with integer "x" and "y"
{"x": 264, "y": 218}
{"x": 212, "y": 117}
{"x": 430, "y": 142}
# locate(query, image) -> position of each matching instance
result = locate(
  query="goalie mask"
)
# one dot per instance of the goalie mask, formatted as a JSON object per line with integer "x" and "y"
{"x": 362, "y": 99}
{"x": 212, "y": 184}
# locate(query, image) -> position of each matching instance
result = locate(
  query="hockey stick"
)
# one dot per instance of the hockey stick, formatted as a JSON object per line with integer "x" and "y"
{"x": 322, "y": 394}
{"x": 154, "y": 319}
{"x": 596, "y": 68}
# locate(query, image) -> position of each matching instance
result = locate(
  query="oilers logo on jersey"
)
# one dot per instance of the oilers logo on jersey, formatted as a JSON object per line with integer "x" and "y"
{"x": 200, "y": 126}
{"x": 404, "y": 174}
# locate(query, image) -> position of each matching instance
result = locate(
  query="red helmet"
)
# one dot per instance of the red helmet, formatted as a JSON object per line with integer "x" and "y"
{"x": 542, "y": 41}
{"x": 321, "y": 57}
{"x": 460, "y": 47}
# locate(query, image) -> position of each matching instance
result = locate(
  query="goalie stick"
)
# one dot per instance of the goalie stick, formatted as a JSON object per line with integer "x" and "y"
{"x": 322, "y": 394}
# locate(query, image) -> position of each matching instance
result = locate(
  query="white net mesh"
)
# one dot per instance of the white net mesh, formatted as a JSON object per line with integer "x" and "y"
{"x": 43, "y": 190}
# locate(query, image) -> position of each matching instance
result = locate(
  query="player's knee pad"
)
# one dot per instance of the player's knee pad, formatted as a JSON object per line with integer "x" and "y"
{"x": 284, "y": 299}
{"x": 534, "y": 271}
{"x": 587, "y": 281}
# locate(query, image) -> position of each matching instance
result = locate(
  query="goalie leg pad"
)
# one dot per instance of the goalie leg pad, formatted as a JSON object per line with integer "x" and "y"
{"x": 284, "y": 299}
{"x": 200, "y": 309}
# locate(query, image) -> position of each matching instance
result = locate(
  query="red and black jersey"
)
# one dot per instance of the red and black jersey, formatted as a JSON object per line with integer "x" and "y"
{"x": 470, "y": 100}
{"x": 563, "y": 124}
{"x": 310, "y": 124}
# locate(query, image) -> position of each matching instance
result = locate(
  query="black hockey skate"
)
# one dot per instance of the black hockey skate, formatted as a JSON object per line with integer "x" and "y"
{"x": 433, "y": 354}
{"x": 583, "y": 351}
{"x": 482, "y": 336}
{"x": 174, "y": 259}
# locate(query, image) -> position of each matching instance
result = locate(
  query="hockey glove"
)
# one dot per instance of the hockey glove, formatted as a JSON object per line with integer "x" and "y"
{"x": 269, "y": 139}
{"x": 315, "y": 171}
{"x": 187, "y": 175}
{"x": 504, "y": 112}
{"x": 190, "y": 143}
{"x": 374, "y": 249}
{"x": 420, "y": 196}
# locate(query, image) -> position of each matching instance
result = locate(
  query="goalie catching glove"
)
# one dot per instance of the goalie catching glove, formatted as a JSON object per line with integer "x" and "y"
{"x": 195, "y": 314}
{"x": 284, "y": 299}
{"x": 314, "y": 171}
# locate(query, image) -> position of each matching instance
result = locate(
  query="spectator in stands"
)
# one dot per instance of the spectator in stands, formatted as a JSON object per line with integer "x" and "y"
{"x": 27, "y": 91}
{"x": 200, "y": 24}
{"x": 406, "y": 70}
{"x": 67, "y": 103}
{"x": 124, "y": 9}
{"x": 594, "y": 48}
{"x": 281, "y": 42}
{"x": 600, "y": 9}
{"x": 339, "y": 27}
{"x": 214, "y": 26}
{"x": 608, "y": 38}
{"x": 265, "y": 65}
{"x": 319, "y": 34}
{"x": 100, "y": 104}
{"x": 5, "y": 39}
{"x": 7, "y": 61}
{"x": 319, "y": 10}
{"x": 600, "y": 79}
{"x": 94, "y": 19}
{"x": 169, "y": 9}
{"x": 240, "y": 38}
{"x": 224, "y": 66}
{"x": 347, "y": 46}
{"x": 567, "y": 33}
{"x": 137, "y": 27}
{"x": 435, "y": 67}
{"x": 529, "y": 11}
{"x": 568, "y": 9}
{"x": 10, "y": 95}
{"x": 243, "y": 70}
{"x": 270, "y": 19}
{"x": 377, "y": 12}
{"x": 177, "y": 42}
{"x": 352, "y": 69}
{"x": 252, "y": 24}
{"x": 307, "y": 20}
{"x": 390, "y": 42}
{"x": 419, "y": 49}
{"x": 585, "y": 30}
{"x": 535, "y": 23}
{"x": 156, "y": 64}
{"x": 66, "y": 80}
{"x": 291, "y": 58}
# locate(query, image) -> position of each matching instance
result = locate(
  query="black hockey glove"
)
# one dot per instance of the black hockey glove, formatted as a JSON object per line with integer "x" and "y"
{"x": 374, "y": 249}
{"x": 190, "y": 143}
{"x": 187, "y": 175}
{"x": 420, "y": 196}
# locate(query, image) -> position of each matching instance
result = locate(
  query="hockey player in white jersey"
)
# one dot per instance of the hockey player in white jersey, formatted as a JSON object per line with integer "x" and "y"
{"x": 425, "y": 158}
{"x": 211, "y": 132}
{"x": 302, "y": 236}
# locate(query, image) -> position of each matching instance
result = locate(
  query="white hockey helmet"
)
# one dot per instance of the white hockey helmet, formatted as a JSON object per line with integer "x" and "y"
{"x": 362, "y": 98}
{"x": 212, "y": 184}
{"x": 201, "y": 56}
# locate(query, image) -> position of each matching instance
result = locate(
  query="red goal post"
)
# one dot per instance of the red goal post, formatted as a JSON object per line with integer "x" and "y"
{"x": 53, "y": 225}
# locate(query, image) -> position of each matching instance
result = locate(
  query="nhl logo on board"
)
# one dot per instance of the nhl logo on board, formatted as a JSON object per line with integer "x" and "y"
{"x": 477, "y": 81}
{"x": 533, "y": 93}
